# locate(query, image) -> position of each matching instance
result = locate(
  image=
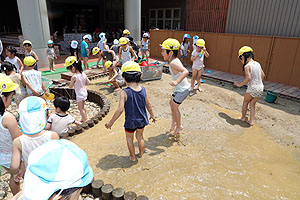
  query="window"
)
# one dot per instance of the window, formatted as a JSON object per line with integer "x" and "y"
{"x": 168, "y": 18}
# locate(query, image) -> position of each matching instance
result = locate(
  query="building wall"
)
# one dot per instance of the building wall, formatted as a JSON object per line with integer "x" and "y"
{"x": 156, "y": 4}
{"x": 264, "y": 17}
{"x": 206, "y": 16}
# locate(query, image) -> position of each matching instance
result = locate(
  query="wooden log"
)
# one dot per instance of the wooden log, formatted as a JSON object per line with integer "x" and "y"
{"x": 130, "y": 196}
{"x": 95, "y": 120}
{"x": 106, "y": 191}
{"x": 118, "y": 194}
{"x": 96, "y": 188}
{"x": 142, "y": 197}
{"x": 78, "y": 129}
{"x": 85, "y": 125}
{"x": 99, "y": 116}
{"x": 64, "y": 135}
{"x": 71, "y": 132}
{"x": 87, "y": 189}
{"x": 90, "y": 123}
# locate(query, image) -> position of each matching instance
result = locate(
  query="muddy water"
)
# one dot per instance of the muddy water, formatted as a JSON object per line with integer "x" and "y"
{"x": 202, "y": 165}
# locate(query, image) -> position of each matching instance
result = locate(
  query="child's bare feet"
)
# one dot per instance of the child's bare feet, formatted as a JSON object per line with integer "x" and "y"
{"x": 172, "y": 127}
{"x": 243, "y": 119}
{"x": 250, "y": 123}
{"x": 200, "y": 90}
{"x": 177, "y": 130}
{"x": 133, "y": 159}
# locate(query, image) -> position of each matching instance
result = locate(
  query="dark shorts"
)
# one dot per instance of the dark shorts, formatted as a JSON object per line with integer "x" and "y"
{"x": 179, "y": 97}
{"x": 128, "y": 130}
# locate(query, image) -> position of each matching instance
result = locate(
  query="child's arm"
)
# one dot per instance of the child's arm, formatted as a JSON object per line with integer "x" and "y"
{"x": 179, "y": 68}
{"x": 27, "y": 84}
{"x": 247, "y": 79}
{"x": 119, "y": 110}
{"x": 149, "y": 108}
{"x": 114, "y": 76}
{"x": 49, "y": 123}
{"x": 21, "y": 65}
{"x": 87, "y": 81}
{"x": 133, "y": 52}
{"x": 54, "y": 136}
{"x": 262, "y": 75}
{"x": 73, "y": 80}
{"x": 120, "y": 54}
{"x": 206, "y": 53}
{"x": 193, "y": 57}
{"x": 88, "y": 51}
{"x": 44, "y": 88}
{"x": 35, "y": 56}
{"x": 77, "y": 123}
{"x": 113, "y": 53}
{"x": 16, "y": 156}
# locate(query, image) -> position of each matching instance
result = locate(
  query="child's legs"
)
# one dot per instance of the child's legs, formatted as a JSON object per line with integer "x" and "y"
{"x": 82, "y": 110}
{"x": 247, "y": 99}
{"x": 194, "y": 75}
{"x": 177, "y": 117}
{"x": 98, "y": 61}
{"x": 85, "y": 63}
{"x": 252, "y": 109}
{"x": 140, "y": 138}
{"x": 173, "y": 116}
{"x": 199, "y": 74}
{"x": 130, "y": 145}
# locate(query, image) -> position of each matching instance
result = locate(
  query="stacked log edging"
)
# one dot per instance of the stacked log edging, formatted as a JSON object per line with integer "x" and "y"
{"x": 93, "y": 96}
{"x": 98, "y": 190}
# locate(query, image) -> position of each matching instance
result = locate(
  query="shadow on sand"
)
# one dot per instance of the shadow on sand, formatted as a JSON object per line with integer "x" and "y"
{"x": 152, "y": 146}
{"x": 233, "y": 121}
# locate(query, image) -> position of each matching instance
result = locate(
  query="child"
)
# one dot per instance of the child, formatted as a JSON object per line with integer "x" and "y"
{"x": 51, "y": 55}
{"x": 135, "y": 101}
{"x": 198, "y": 63}
{"x": 8, "y": 130}
{"x": 254, "y": 76}
{"x": 32, "y": 111}
{"x": 195, "y": 38}
{"x": 85, "y": 52}
{"x": 13, "y": 59}
{"x": 115, "y": 75}
{"x": 126, "y": 33}
{"x": 134, "y": 46}
{"x": 179, "y": 73}
{"x": 8, "y": 68}
{"x": 101, "y": 45}
{"x": 145, "y": 46}
{"x": 104, "y": 55}
{"x": 60, "y": 120}
{"x": 28, "y": 52}
{"x": 115, "y": 47}
{"x": 185, "y": 45}
{"x": 74, "y": 49}
{"x": 126, "y": 51}
{"x": 79, "y": 81}
{"x": 32, "y": 79}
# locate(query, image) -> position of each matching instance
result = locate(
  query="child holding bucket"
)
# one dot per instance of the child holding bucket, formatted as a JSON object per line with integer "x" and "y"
{"x": 198, "y": 63}
{"x": 135, "y": 102}
{"x": 254, "y": 76}
{"x": 179, "y": 73}
{"x": 79, "y": 81}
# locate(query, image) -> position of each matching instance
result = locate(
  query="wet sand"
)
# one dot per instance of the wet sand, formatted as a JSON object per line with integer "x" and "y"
{"x": 217, "y": 157}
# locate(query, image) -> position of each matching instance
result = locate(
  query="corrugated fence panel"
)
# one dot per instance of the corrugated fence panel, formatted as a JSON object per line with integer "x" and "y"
{"x": 206, "y": 16}
{"x": 264, "y": 17}
{"x": 278, "y": 56}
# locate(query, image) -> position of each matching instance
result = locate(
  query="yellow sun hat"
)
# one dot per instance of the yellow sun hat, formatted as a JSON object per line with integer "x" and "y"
{"x": 29, "y": 61}
{"x": 200, "y": 43}
{"x": 245, "y": 49}
{"x": 170, "y": 44}
{"x": 70, "y": 61}
{"x": 6, "y": 84}
{"x": 131, "y": 66}
{"x": 123, "y": 40}
{"x": 126, "y": 31}
{"x": 27, "y": 42}
{"x": 107, "y": 64}
{"x": 95, "y": 50}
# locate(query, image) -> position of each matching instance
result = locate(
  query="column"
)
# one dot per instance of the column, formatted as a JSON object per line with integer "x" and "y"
{"x": 35, "y": 26}
{"x": 132, "y": 18}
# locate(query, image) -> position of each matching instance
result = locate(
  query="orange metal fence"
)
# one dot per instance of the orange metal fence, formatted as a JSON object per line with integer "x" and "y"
{"x": 278, "y": 56}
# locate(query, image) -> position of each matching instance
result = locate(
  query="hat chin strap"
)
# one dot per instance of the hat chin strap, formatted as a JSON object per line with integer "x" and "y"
{"x": 57, "y": 196}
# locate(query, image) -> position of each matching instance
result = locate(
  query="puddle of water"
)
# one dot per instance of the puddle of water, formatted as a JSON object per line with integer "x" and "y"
{"x": 204, "y": 165}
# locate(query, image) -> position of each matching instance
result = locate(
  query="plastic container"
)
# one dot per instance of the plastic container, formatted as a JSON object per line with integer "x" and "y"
{"x": 152, "y": 72}
{"x": 271, "y": 97}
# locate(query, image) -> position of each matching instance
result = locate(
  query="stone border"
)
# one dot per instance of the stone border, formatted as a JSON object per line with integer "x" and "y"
{"x": 93, "y": 96}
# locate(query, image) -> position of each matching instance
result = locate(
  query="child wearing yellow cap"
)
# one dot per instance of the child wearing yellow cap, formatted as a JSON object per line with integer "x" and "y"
{"x": 104, "y": 55}
{"x": 32, "y": 79}
{"x": 179, "y": 73}
{"x": 29, "y": 52}
{"x": 135, "y": 102}
{"x": 126, "y": 52}
{"x": 115, "y": 75}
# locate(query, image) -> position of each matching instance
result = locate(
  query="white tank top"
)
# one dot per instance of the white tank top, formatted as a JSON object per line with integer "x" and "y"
{"x": 126, "y": 55}
{"x": 30, "y": 143}
{"x": 183, "y": 85}
{"x": 145, "y": 45}
{"x": 255, "y": 81}
{"x": 14, "y": 61}
{"x": 79, "y": 86}
{"x": 101, "y": 45}
{"x": 5, "y": 144}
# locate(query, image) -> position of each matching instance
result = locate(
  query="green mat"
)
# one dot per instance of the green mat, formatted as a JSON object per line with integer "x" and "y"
{"x": 64, "y": 69}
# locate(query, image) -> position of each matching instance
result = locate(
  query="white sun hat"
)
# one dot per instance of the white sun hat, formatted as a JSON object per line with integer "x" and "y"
{"x": 74, "y": 44}
{"x": 55, "y": 166}
{"x": 32, "y": 112}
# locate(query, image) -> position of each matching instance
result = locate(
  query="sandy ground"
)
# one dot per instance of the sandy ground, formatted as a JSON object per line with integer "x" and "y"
{"x": 217, "y": 157}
